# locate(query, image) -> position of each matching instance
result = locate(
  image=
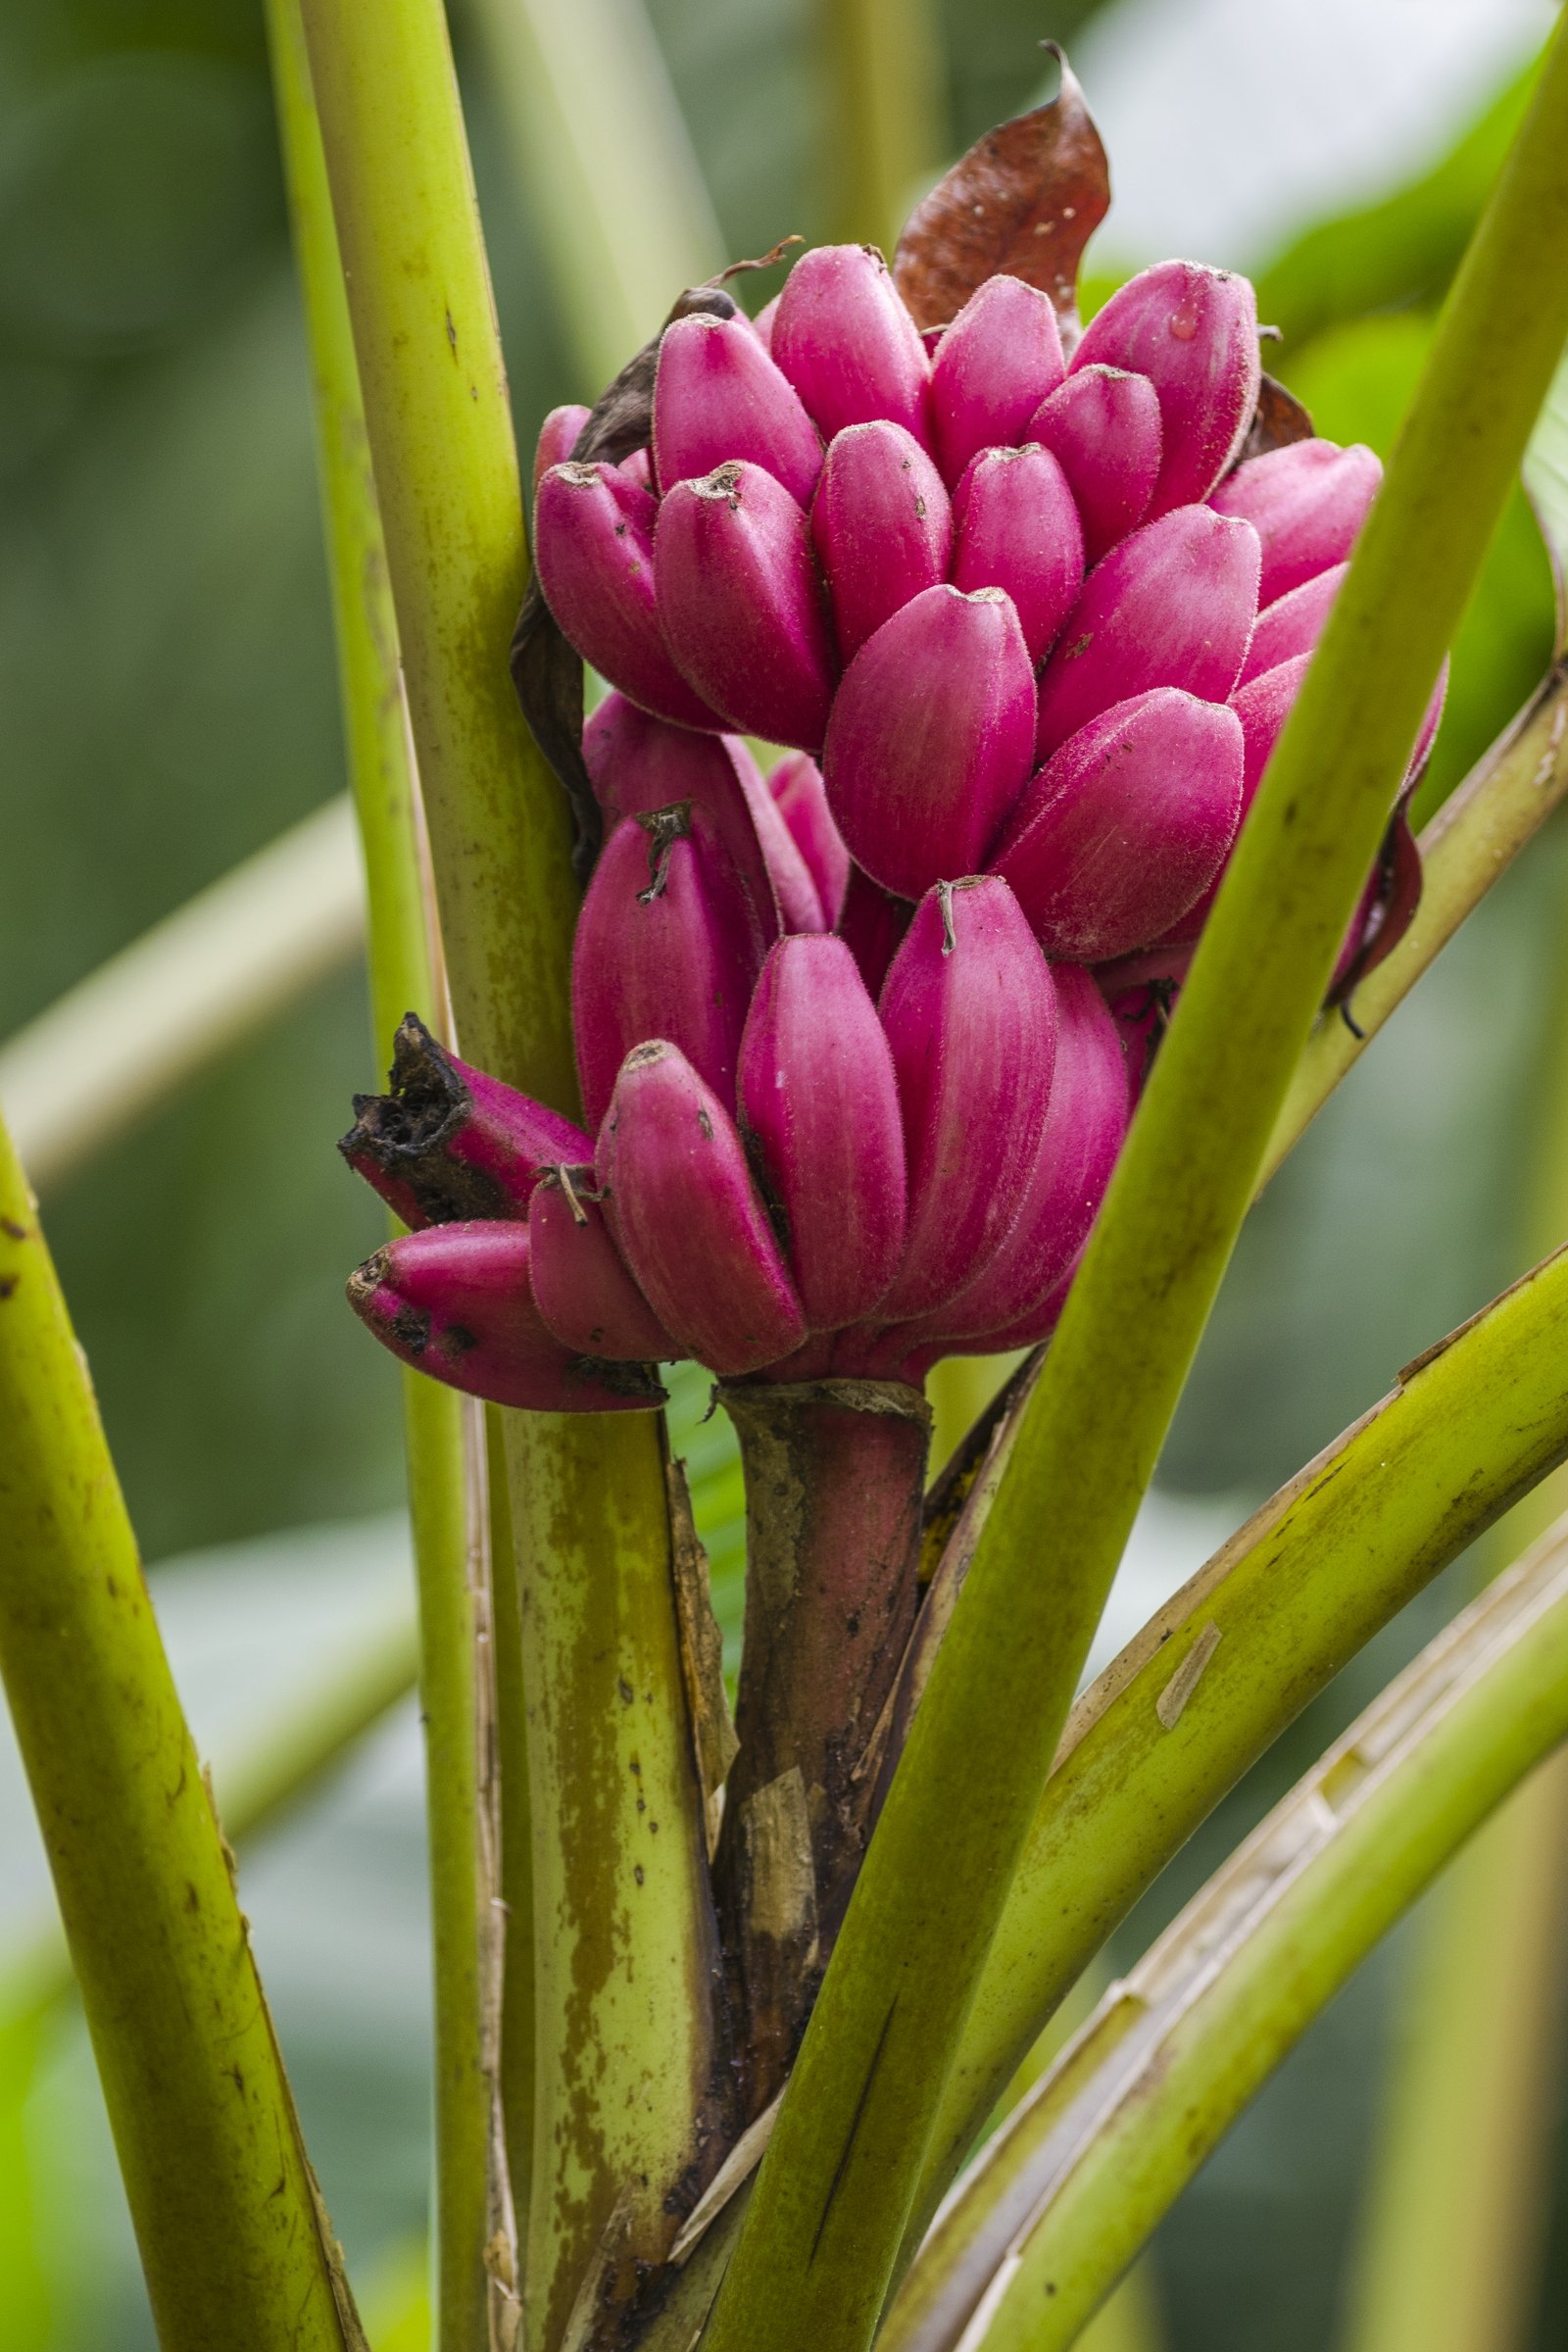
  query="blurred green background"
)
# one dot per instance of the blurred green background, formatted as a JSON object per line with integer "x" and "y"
{"x": 168, "y": 705}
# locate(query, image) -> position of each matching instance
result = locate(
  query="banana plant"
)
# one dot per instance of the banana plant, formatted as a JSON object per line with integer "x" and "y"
{"x": 990, "y": 849}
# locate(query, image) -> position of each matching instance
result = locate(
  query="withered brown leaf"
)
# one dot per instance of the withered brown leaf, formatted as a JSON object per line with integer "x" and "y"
{"x": 1025, "y": 199}
{"x": 1278, "y": 419}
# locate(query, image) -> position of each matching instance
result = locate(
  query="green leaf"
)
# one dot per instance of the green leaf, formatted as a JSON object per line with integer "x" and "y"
{"x": 1074, "y": 2182}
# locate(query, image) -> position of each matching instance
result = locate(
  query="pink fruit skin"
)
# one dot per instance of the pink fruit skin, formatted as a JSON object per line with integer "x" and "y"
{"x": 872, "y": 923}
{"x": 1017, "y": 528}
{"x": 1292, "y": 624}
{"x": 882, "y": 527}
{"x": 820, "y": 1109}
{"x": 930, "y": 739}
{"x": 557, "y": 437}
{"x": 800, "y": 797}
{"x": 1126, "y": 826}
{"x": 1103, "y": 426}
{"x": 677, "y": 960}
{"x": 639, "y": 468}
{"x": 762, "y": 324}
{"x": 457, "y": 1302}
{"x": 594, "y": 545}
{"x": 741, "y": 604}
{"x": 1172, "y": 606}
{"x": 993, "y": 365}
{"x": 1262, "y": 706}
{"x": 1083, "y": 1131}
{"x": 842, "y": 337}
{"x": 688, "y": 1220}
{"x": 971, "y": 1013}
{"x": 637, "y": 764}
{"x": 718, "y": 396}
{"x": 1193, "y": 333}
{"x": 1306, "y": 502}
{"x": 580, "y": 1286}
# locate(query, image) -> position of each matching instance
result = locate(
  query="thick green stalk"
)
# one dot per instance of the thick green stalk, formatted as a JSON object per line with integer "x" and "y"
{"x": 1456, "y": 2214}
{"x": 615, "y": 2099}
{"x": 446, "y": 473}
{"x": 516, "y": 2025}
{"x": 611, "y": 181}
{"x": 232, "y": 2241}
{"x": 886, "y": 136}
{"x": 403, "y": 973}
{"x": 626, "y": 1954}
{"x": 836, "y": 2186}
{"x": 1074, "y": 2185}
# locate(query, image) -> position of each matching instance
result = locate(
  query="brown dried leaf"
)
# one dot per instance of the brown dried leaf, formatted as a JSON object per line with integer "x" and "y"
{"x": 1278, "y": 419}
{"x": 702, "y": 1652}
{"x": 545, "y": 669}
{"x": 1025, "y": 199}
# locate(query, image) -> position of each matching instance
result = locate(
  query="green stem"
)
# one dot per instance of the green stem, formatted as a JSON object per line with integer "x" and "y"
{"x": 232, "y": 2243}
{"x": 516, "y": 2022}
{"x": 837, "y": 2183}
{"x": 403, "y": 973}
{"x": 1073, "y": 2186}
{"x": 614, "y": 2104}
{"x": 446, "y": 473}
{"x": 626, "y": 1953}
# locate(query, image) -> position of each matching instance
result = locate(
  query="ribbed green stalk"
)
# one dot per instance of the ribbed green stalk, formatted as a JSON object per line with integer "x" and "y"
{"x": 615, "y": 2083}
{"x": 1083, "y": 2172}
{"x": 217, "y": 2179}
{"x": 837, "y": 2183}
{"x": 1457, "y": 2206}
{"x": 404, "y": 966}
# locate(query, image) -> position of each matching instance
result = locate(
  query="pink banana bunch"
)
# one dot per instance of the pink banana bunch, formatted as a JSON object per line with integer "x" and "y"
{"x": 857, "y": 1042}
{"x": 788, "y": 1173}
{"x": 1011, "y": 600}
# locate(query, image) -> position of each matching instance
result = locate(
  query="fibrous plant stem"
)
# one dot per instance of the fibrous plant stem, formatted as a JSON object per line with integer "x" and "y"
{"x": 444, "y": 1483}
{"x": 836, "y": 2186}
{"x": 835, "y": 1476}
{"x": 232, "y": 2242}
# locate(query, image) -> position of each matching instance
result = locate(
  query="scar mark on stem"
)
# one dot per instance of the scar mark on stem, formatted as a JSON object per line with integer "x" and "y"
{"x": 1168, "y": 1707}
{"x": 854, "y": 2125}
